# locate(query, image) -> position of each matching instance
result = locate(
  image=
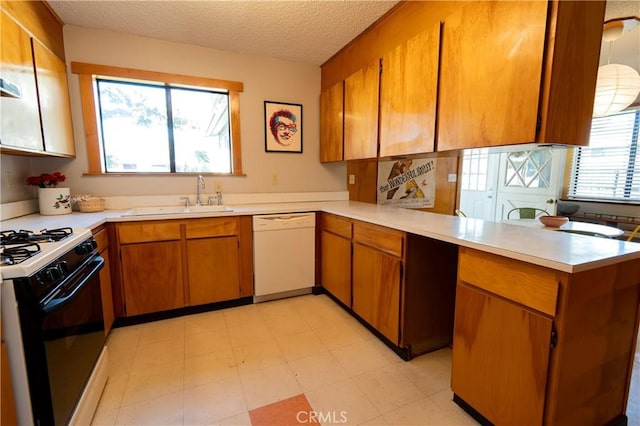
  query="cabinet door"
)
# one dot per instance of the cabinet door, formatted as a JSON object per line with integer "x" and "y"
{"x": 152, "y": 277}
{"x": 105, "y": 291}
{"x": 490, "y": 74}
{"x": 20, "y": 117}
{"x": 408, "y": 88}
{"x": 361, "y": 93}
{"x": 376, "y": 289}
{"x": 214, "y": 269}
{"x": 336, "y": 266}
{"x": 53, "y": 97}
{"x": 500, "y": 357}
{"x": 7, "y": 401}
{"x": 331, "y": 123}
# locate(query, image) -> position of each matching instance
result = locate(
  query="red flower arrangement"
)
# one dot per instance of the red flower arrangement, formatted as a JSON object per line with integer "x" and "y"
{"x": 46, "y": 180}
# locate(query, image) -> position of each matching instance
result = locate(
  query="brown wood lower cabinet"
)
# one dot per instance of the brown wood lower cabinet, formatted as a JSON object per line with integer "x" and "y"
{"x": 336, "y": 259}
{"x": 8, "y": 412}
{"x": 376, "y": 289}
{"x": 213, "y": 270}
{"x": 152, "y": 277}
{"x": 402, "y": 285}
{"x": 534, "y": 345}
{"x": 102, "y": 239}
{"x": 510, "y": 386}
{"x": 171, "y": 264}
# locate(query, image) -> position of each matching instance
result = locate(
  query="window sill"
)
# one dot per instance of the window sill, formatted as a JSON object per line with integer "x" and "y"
{"x": 591, "y": 200}
{"x": 163, "y": 174}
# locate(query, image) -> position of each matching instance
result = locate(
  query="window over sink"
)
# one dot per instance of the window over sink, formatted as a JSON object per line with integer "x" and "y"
{"x": 150, "y": 122}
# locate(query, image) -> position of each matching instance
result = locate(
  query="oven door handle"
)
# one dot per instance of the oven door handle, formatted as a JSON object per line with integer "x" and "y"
{"x": 75, "y": 283}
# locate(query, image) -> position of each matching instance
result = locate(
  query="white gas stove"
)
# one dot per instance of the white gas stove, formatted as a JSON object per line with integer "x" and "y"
{"x": 23, "y": 253}
{"x": 53, "y": 323}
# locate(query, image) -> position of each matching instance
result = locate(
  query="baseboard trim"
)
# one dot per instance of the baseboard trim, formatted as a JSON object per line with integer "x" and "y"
{"x": 174, "y": 313}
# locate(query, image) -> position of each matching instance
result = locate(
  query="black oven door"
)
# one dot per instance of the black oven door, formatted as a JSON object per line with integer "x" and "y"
{"x": 63, "y": 336}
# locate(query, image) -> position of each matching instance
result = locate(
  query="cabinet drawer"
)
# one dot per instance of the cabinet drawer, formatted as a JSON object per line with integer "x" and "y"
{"x": 102, "y": 239}
{"x": 214, "y": 227}
{"x": 385, "y": 239}
{"x": 336, "y": 225}
{"x": 148, "y": 231}
{"x": 530, "y": 285}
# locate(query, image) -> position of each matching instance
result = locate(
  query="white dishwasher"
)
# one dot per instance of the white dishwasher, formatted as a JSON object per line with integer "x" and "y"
{"x": 283, "y": 255}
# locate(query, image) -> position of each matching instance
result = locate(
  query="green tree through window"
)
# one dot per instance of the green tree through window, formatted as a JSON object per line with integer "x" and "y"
{"x": 158, "y": 128}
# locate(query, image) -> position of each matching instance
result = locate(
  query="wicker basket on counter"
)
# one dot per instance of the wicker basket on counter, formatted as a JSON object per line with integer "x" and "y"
{"x": 90, "y": 205}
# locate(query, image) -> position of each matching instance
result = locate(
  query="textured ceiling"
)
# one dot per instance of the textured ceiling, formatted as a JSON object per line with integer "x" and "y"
{"x": 621, "y": 9}
{"x": 626, "y": 49}
{"x": 308, "y": 31}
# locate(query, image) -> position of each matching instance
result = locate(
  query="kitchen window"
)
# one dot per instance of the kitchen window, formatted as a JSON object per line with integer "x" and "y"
{"x": 609, "y": 168}
{"x": 149, "y": 122}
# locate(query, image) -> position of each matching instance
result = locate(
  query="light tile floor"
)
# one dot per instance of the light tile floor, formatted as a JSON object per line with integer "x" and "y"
{"x": 216, "y": 367}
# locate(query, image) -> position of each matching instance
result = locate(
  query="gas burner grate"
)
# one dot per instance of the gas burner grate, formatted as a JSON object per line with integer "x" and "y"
{"x": 16, "y": 254}
{"x": 44, "y": 236}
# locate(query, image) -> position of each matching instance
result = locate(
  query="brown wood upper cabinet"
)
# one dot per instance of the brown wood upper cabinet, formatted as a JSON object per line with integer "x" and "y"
{"x": 475, "y": 74}
{"x": 332, "y": 118}
{"x": 408, "y": 89}
{"x": 508, "y": 73}
{"x": 361, "y": 91}
{"x": 20, "y": 116}
{"x": 39, "y": 121}
{"x": 53, "y": 97}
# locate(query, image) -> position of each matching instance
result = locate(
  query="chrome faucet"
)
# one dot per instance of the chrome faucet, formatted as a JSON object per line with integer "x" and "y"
{"x": 199, "y": 185}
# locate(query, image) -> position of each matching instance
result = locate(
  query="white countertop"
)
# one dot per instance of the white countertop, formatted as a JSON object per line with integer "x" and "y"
{"x": 608, "y": 231}
{"x": 555, "y": 250}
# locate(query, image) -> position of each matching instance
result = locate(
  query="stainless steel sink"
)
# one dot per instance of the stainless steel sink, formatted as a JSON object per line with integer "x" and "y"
{"x": 159, "y": 210}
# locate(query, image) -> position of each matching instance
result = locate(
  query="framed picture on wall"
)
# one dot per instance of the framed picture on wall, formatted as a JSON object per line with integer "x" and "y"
{"x": 282, "y": 127}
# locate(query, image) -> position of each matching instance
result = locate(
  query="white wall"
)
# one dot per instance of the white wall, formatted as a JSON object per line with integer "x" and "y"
{"x": 263, "y": 78}
{"x": 15, "y": 170}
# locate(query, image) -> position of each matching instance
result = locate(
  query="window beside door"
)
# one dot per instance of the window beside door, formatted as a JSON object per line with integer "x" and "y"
{"x": 475, "y": 169}
{"x": 609, "y": 168}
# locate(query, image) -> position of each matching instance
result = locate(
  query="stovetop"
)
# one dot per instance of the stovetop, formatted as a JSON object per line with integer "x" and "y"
{"x": 16, "y": 253}
{"x": 36, "y": 250}
{"x": 12, "y": 237}
{"x": 18, "y": 246}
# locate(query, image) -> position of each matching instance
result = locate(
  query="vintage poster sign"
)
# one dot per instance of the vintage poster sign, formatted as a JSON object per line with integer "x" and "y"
{"x": 407, "y": 183}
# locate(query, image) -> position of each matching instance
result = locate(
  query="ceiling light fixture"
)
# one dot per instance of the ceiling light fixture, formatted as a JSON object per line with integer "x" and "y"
{"x": 617, "y": 85}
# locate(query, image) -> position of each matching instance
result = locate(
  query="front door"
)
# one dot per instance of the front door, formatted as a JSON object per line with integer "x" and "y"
{"x": 529, "y": 179}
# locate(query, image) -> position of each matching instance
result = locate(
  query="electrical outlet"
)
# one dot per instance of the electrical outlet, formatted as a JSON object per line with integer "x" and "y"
{"x": 452, "y": 177}
{"x": 275, "y": 179}
{"x": 352, "y": 179}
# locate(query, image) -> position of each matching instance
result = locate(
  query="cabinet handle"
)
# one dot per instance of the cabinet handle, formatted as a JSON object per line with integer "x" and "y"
{"x": 554, "y": 338}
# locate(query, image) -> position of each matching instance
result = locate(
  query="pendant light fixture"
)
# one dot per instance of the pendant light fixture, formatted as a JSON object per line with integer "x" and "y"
{"x": 617, "y": 85}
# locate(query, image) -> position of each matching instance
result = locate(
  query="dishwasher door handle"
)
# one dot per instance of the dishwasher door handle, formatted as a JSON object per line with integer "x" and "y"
{"x": 284, "y": 218}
